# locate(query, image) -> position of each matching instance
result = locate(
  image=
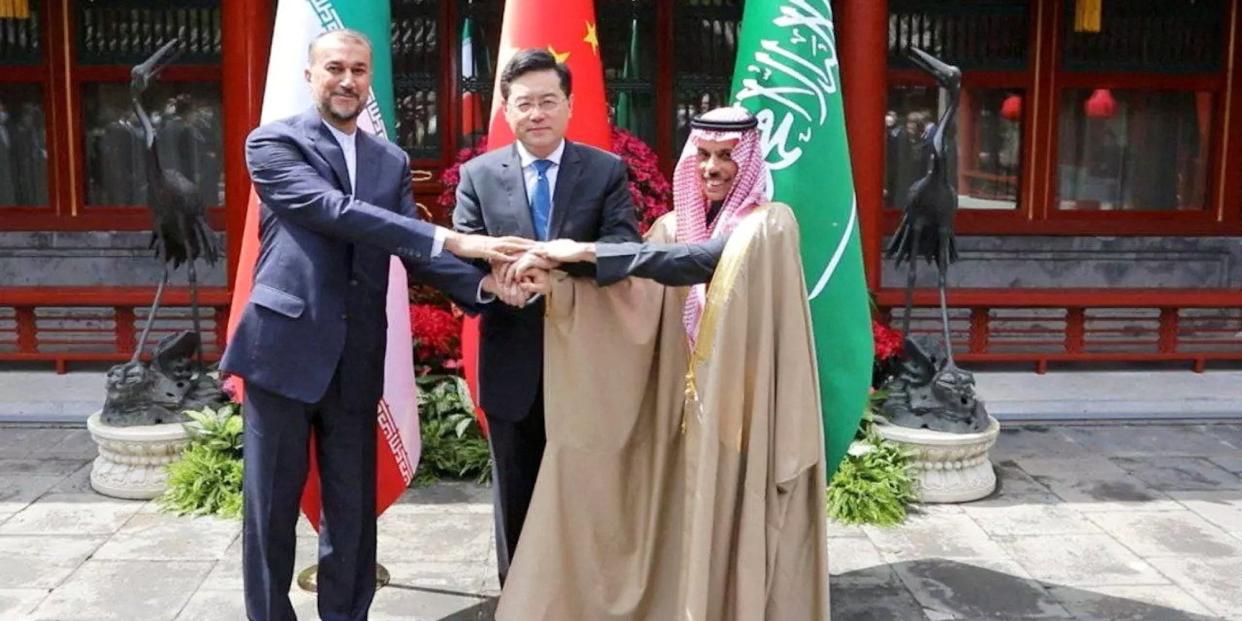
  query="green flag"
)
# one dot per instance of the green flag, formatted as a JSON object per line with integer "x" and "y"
{"x": 626, "y": 116}
{"x": 786, "y": 74}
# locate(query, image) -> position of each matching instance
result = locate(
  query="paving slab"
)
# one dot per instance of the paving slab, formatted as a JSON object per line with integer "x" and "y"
{"x": 1213, "y": 582}
{"x": 15, "y": 466}
{"x": 1081, "y": 560}
{"x": 18, "y": 491}
{"x": 1014, "y": 487}
{"x": 23, "y": 442}
{"x": 71, "y": 514}
{"x": 1096, "y": 484}
{"x": 123, "y": 590}
{"x": 1036, "y": 441}
{"x": 1222, "y": 508}
{"x": 1148, "y": 440}
{"x": 945, "y": 536}
{"x": 879, "y": 597}
{"x": 446, "y": 537}
{"x": 1231, "y": 461}
{"x": 1153, "y": 534}
{"x": 950, "y": 589}
{"x": 230, "y": 605}
{"x": 17, "y": 603}
{"x": 1131, "y": 603}
{"x": 34, "y": 561}
{"x": 856, "y": 555}
{"x": 1179, "y": 473}
{"x": 1030, "y": 519}
{"x": 162, "y": 537}
{"x": 226, "y": 575}
{"x": 435, "y": 591}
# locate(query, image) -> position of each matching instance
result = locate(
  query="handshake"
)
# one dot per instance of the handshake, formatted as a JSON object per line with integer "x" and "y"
{"x": 519, "y": 266}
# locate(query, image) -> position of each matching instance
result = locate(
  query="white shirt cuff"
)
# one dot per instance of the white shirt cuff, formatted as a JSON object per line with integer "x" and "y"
{"x": 437, "y": 246}
{"x": 484, "y": 297}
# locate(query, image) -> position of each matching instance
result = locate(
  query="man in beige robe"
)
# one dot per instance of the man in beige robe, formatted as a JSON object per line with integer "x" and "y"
{"x": 684, "y": 475}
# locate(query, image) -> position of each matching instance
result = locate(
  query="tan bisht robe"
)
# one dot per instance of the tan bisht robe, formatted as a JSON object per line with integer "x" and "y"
{"x": 671, "y": 496}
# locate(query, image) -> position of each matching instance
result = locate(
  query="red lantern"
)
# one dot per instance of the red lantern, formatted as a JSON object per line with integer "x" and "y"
{"x": 1100, "y": 105}
{"x": 1011, "y": 108}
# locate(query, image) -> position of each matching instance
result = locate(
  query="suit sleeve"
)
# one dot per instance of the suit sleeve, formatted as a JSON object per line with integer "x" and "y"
{"x": 618, "y": 224}
{"x": 455, "y": 277}
{"x": 289, "y": 186}
{"x": 675, "y": 265}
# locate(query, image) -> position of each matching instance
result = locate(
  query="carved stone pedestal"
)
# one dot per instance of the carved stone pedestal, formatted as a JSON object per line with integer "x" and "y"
{"x": 951, "y": 467}
{"x": 132, "y": 460}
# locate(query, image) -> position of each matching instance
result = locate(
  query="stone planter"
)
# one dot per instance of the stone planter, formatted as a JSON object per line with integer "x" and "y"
{"x": 132, "y": 460}
{"x": 951, "y": 467}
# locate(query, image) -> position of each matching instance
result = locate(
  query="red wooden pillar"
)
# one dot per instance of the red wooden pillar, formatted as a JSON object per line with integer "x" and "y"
{"x": 862, "y": 49}
{"x": 246, "y": 36}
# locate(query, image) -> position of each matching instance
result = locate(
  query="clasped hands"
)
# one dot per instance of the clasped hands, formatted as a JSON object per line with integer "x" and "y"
{"x": 521, "y": 275}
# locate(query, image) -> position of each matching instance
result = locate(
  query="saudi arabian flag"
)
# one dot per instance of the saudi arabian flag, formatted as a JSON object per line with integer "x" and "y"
{"x": 786, "y": 74}
{"x": 286, "y": 94}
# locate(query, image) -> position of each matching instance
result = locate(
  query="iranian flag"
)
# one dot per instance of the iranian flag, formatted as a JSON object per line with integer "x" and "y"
{"x": 571, "y": 38}
{"x": 287, "y": 94}
{"x": 786, "y": 73}
{"x": 471, "y": 103}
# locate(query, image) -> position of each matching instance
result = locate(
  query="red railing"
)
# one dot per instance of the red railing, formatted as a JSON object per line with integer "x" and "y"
{"x": 1059, "y": 325}
{"x": 66, "y": 324}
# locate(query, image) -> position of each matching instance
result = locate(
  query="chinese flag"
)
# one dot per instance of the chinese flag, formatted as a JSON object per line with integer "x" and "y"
{"x": 571, "y": 37}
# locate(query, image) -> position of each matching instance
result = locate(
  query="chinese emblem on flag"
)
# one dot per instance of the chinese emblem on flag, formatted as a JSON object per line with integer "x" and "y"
{"x": 570, "y": 37}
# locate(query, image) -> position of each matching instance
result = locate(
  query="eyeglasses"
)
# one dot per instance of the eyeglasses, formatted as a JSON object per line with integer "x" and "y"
{"x": 545, "y": 105}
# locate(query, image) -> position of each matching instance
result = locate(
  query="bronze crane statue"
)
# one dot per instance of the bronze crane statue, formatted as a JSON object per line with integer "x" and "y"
{"x": 926, "y": 229}
{"x": 179, "y": 233}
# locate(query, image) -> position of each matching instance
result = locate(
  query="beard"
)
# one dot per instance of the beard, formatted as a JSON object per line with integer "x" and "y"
{"x": 339, "y": 111}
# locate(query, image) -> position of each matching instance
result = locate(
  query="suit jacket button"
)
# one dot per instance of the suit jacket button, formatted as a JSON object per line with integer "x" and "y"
{"x": 344, "y": 316}
{"x": 353, "y": 282}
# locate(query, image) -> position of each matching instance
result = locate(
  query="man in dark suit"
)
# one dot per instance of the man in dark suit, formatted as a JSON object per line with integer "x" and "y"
{"x": 541, "y": 187}
{"x": 310, "y": 343}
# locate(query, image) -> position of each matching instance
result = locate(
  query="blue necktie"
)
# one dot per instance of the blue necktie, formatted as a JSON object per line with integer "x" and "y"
{"x": 541, "y": 201}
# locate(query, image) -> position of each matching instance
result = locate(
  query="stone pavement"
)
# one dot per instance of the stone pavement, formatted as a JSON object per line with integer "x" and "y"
{"x": 1100, "y": 522}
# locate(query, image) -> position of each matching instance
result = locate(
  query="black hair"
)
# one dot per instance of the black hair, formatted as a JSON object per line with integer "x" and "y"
{"x": 534, "y": 59}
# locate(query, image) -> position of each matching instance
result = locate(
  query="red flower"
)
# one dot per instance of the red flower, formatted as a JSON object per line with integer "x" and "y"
{"x": 436, "y": 335}
{"x": 888, "y": 341}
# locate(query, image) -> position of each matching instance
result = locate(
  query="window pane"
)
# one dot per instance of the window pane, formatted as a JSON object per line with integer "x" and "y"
{"x": 972, "y": 34}
{"x": 704, "y": 49}
{"x": 126, "y": 32}
{"x": 1174, "y": 36}
{"x": 416, "y": 76}
{"x": 986, "y": 160}
{"x": 186, "y": 117}
{"x": 23, "y": 146}
{"x": 19, "y": 38}
{"x": 626, "y": 34}
{"x": 1133, "y": 149}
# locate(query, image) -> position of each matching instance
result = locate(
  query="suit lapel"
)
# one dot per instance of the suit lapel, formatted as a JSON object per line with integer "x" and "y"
{"x": 326, "y": 145}
{"x": 566, "y": 184}
{"x": 510, "y": 174}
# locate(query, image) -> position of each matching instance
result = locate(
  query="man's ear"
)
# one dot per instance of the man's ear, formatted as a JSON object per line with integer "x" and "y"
{"x": 569, "y": 105}
{"x": 306, "y": 74}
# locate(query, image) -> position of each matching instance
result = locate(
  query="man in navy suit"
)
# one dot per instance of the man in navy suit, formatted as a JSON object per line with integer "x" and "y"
{"x": 541, "y": 187}
{"x": 311, "y": 340}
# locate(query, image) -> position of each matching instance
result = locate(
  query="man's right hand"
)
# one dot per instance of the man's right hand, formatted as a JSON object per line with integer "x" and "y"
{"x": 496, "y": 249}
{"x": 502, "y": 283}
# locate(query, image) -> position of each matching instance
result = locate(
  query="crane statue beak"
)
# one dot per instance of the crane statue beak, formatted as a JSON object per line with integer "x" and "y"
{"x": 150, "y": 68}
{"x": 941, "y": 70}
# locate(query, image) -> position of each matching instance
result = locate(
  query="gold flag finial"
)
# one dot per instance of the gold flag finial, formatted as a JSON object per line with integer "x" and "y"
{"x": 14, "y": 9}
{"x": 1087, "y": 15}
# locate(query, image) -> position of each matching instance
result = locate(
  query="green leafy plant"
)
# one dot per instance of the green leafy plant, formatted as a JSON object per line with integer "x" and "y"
{"x": 876, "y": 482}
{"x": 453, "y": 444}
{"x": 207, "y": 479}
